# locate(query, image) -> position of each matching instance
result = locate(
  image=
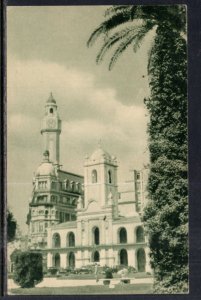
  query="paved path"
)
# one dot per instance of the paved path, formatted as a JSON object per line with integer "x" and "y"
{"x": 54, "y": 282}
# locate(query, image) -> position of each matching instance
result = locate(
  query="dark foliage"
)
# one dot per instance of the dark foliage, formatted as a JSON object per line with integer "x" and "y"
{"x": 11, "y": 226}
{"x": 28, "y": 269}
{"x": 166, "y": 216}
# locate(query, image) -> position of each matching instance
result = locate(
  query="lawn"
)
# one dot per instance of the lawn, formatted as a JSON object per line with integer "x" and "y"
{"x": 87, "y": 290}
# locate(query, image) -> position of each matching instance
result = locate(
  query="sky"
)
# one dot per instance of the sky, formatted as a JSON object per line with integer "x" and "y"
{"x": 47, "y": 52}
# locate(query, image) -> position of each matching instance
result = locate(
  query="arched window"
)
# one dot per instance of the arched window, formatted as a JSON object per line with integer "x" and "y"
{"x": 51, "y": 110}
{"x": 96, "y": 236}
{"x": 140, "y": 235}
{"x": 141, "y": 260}
{"x": 122, "y": 236}
{"x": 96, "y": 256}
{"x": 94, "y": 177}
{"x": 71, "y": 260}
{"x": 72, "y": 185}
{"x": 109, "y": 176}
{"x": 56, "y": 241}
{"x": 56, "y": 260}
{"x": 123, "y": 257}
{"x": 71, "y": 239}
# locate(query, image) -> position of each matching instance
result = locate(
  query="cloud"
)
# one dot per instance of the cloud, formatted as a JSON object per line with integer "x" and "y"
{"x": 88, "y": 113}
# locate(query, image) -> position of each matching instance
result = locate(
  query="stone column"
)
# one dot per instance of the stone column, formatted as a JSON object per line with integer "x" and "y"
{"x": 148, "y": 266}
{"x": 63, "y": 260}
{"x": 49, "y": 260}
{"x": 131, "y": 257}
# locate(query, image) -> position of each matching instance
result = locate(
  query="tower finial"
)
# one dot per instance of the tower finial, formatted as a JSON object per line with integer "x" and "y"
{"x": 51, "y": 98}
{"x": 46, "y": 155}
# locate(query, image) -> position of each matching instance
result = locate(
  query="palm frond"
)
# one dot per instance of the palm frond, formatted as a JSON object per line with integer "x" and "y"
{"x": 136, "y": 38}
{"x": 150, "y": 56}
{"x": 116, "y": 20}
{"x": 120, "y": 49}
{"x": 116, "y": 8}
{"x": 114, "y": 39}
{"x": 141, "y": 34}
{"x": 95, "y": 35}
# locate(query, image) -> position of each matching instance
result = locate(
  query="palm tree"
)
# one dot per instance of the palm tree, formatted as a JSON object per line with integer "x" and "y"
{"x": 166, "y": 215}
{"x": 138, "y": 21}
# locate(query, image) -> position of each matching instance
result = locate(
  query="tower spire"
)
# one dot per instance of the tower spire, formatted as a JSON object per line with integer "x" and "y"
{"x": 51, "y": 129}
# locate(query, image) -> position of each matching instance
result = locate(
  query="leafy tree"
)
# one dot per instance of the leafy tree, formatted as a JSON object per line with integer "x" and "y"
{"x": 11, "y": 226}
{"x": 28, "y": 268}
{"x": 166, "y": 216}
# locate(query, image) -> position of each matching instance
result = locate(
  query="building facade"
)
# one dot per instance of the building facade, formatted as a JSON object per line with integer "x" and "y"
{"x": 81, "y": 220}
{"x": 55, "y": 191}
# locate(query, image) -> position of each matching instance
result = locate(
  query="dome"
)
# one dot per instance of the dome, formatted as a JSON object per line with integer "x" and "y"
{"x": 51, "y": 99}
{"x": 46, "y": 169}
{"x": 100, "y": 154}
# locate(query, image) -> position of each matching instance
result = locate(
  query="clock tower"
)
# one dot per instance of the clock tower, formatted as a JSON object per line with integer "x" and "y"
{"x": 51, "y": 129}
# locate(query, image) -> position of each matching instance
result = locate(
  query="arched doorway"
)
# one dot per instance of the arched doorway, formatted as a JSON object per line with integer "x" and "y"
{"x": 96, "y": 236}
{"x": 71, "y": 260}
{"x": 57, "y": 260}
{"x": 140, "y": 235}
{"x": 123, "y": 257}
{"x": 141, "y": 260}
{"x": 96, "y": 256}
{"x": 122, "y": 236}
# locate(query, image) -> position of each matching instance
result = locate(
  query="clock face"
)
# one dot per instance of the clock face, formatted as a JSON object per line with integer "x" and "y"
{"x": 51, "y": 123}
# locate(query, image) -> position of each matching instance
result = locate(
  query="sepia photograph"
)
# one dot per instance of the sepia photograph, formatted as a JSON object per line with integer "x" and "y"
{"x": 97, "y": 150}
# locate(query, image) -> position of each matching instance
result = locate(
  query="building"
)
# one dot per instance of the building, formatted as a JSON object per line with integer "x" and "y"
{"x": 55, "y": 192}
{"x": 77, "y": 226}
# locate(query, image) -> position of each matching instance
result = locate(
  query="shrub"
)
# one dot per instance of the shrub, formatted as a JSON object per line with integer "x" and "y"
{"x": 108, "y": 273}
{"x": 28, "y": 269}
{"x": 52, "y": 271}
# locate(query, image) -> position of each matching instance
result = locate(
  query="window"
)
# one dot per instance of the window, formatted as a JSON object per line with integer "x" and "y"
{"x": 140, "y": 235}
{"x": 40, "y": 227}
{"x": 122, "y": 236}
{"x": 67, "y": 217}
{"x": 96, "y": 237}
{"x": 71, "y": 260}
{"x": 56, "y": 260}
{"x": 53, "y": 185}
{"x": 61, "y": 217}
{"x": 78, "y": 187}
{"x": 33, "y": 227}
{"x": 66, "y": 184}
{"x": 51, "y": 110}
{"x": 138, "y": 175}
{"x": 94, "y": 177}
{"x": 109, "y": 177}
{"x": 74, "y": 202}
{"x": 71, "y": 239}
{"x": 42, "y": 185}
{"x": 123, "y": 257}
{"x": 73, "y": 217}
{"x": 56, "y": 241}
{"x": 96, "y": 256}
